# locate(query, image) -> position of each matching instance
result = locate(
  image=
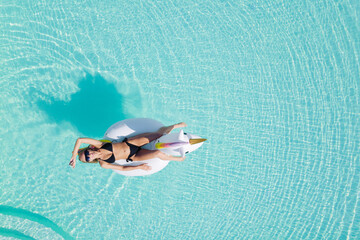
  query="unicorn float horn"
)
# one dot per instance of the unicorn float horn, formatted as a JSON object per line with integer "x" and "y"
{"x": 197, "y": 140}
{"x": 161, "y": 145}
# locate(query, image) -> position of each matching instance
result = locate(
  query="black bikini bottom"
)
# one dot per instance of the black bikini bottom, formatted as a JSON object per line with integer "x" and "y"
{"x": 133, "y": 150}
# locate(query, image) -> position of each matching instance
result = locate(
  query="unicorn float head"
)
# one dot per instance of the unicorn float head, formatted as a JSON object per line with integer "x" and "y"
{"x": 178, "y": 143}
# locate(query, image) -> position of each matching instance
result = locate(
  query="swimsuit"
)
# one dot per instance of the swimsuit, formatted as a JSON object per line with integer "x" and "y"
{"x": 108, "y": 146}
{"x": 133, "y": 150}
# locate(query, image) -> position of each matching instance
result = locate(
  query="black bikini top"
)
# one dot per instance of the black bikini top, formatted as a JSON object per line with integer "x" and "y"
{"x": 108, "y": 146}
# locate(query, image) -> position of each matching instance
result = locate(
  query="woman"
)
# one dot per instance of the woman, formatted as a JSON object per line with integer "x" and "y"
{"x": 130, "y": 149}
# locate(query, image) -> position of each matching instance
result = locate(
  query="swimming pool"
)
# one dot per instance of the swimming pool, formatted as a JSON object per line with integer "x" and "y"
{"x": 273, "y": 86}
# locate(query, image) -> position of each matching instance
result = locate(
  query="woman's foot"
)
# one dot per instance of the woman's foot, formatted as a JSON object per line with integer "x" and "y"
{"x": 167, "y": 130}
{"x": 145, "y": 167}
{"x": 182, "y": 124}
{"x": 172, "y": 158}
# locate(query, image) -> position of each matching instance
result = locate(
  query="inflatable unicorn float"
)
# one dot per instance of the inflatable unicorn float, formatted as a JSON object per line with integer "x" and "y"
{"x": 175, "y": 143}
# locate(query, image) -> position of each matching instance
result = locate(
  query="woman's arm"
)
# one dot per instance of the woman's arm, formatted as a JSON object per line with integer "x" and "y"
{"x": 78, "y": 143}
{"x": 124, "y": 168}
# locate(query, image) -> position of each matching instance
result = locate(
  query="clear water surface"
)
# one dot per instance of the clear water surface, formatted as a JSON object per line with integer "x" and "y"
{"x": 273, "y": 85}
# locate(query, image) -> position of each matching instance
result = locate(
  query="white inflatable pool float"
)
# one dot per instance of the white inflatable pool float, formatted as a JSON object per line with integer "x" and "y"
{"x": 176, "y": 144}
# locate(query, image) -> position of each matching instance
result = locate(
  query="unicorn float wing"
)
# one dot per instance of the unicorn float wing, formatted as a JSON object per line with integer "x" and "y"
{"x": 176, "y": 144}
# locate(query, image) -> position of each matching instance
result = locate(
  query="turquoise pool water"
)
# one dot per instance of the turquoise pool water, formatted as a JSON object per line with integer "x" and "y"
{"x": 274, "y": 86}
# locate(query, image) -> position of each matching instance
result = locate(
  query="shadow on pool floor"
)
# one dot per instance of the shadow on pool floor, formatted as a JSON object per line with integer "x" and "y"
{"x": 91, "y": 110}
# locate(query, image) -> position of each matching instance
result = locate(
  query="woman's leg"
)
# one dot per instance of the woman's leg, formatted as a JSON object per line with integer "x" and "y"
{"x": 145, "y": 138}
{"x": 145, "y": 154}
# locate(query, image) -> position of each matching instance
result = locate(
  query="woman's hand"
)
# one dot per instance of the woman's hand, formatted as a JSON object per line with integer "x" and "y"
{"x": 72, "y": 161}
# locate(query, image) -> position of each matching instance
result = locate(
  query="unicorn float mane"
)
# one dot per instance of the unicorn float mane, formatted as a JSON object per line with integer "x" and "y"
{"x": 178, "y": 143}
